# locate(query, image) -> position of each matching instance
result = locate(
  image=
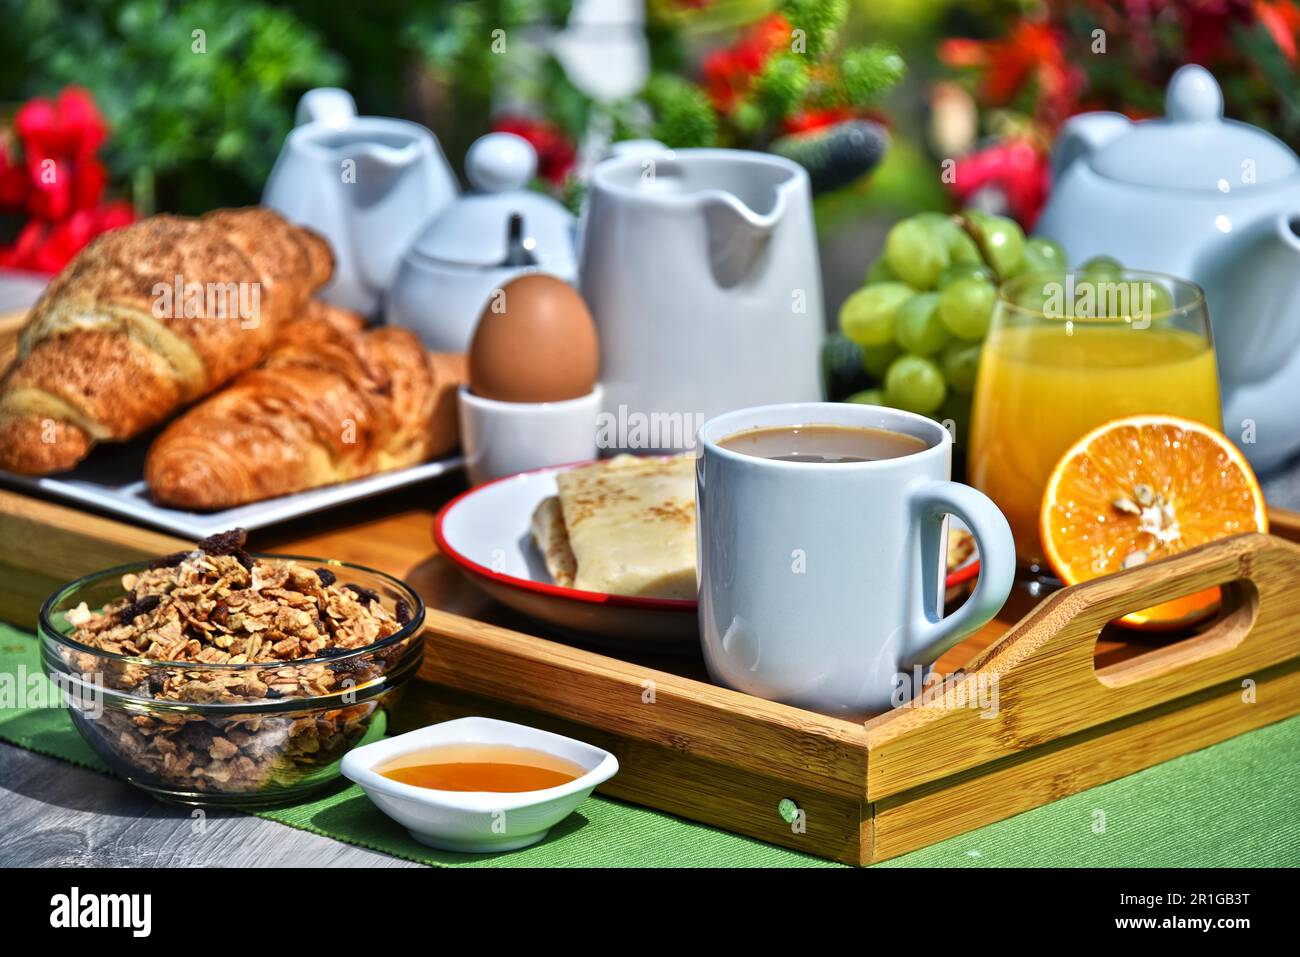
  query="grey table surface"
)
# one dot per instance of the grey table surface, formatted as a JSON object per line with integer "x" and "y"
{"x": 53, "y": 813}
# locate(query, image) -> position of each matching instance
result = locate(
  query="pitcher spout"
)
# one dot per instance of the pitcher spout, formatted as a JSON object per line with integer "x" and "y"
{"x": 381, "y": 163}
{"x": 1257, "y": 324}
{"x": 737, "y": 237}
{"x": 373, "y": 149}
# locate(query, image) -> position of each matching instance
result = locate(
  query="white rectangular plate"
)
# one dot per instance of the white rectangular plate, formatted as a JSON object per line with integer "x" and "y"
{"x": 111, "y": 480}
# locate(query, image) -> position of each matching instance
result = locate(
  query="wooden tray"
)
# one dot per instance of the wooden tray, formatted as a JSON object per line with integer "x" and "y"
{"x": 1080, "y": 702}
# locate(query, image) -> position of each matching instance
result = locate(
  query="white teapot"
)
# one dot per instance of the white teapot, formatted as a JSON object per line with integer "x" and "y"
{"x": 1212, "y": 200}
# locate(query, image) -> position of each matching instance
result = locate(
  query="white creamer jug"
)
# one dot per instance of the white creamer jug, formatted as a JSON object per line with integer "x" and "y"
{"x": 700, "y": 268}
{"x": 368, "y": 184}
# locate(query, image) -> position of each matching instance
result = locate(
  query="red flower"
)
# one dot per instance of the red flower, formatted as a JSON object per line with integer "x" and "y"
{"x": 59, "y": 182}
{"x": 729, "y": 73}
{"x": 556, "y": 155}
{"x": 1019, "y": 171}
{"x": 14, "y": 184}
{"x": 814, "y": 119}
{"x": 63, "y": 240}
{"x": 48, "y": 247}
{"x": 115, "y": 215}
{"x": 1032, "y": 52}
{"x": 59, "y": 143}
{"x": 71, "y": 125}
{"x": 62, "y": 186}
{"x": 25, "y": 250}
{"x": 1282, "y": 20}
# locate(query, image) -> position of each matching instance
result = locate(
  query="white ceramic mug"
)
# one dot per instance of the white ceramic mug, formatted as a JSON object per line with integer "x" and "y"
{"x": 822, "y": 584}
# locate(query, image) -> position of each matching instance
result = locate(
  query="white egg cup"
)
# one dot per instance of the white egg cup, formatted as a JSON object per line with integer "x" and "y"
{"x": 503, "y": 438}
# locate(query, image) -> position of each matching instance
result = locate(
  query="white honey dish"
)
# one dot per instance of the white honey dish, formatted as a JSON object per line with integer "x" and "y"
{"x": 477, "y": 822}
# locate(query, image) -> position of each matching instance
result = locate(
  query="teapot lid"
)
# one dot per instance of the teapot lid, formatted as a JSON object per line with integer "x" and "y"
{"x": 485, "y": 229}
{"x": 1193, "y": 146}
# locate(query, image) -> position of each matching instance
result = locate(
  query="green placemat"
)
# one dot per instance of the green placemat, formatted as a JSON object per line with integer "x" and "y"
{"x": 1235, "y": 804}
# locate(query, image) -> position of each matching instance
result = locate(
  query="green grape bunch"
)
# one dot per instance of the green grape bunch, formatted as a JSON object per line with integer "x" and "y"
{"x": 925, "y": 309}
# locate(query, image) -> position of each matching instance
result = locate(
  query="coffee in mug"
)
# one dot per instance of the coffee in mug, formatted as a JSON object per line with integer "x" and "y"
{"x": 823, "y": 444}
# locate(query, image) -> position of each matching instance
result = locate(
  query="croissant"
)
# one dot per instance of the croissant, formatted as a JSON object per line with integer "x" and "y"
{"x": 146, "y": 319}
{"x": 332, "y": 402}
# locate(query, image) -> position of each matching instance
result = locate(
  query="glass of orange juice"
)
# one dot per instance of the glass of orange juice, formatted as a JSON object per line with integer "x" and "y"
{"x": 1067, "y": 352}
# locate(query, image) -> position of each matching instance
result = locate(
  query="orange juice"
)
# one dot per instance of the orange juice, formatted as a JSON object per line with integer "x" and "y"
{"x": 1040, "y": 388}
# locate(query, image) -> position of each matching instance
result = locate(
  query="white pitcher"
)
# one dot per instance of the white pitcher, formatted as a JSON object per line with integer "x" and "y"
{"x": 368, "y": 184}
{"x": 700, "y": 269}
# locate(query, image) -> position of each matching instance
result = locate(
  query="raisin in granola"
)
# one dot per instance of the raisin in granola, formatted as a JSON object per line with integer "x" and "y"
{"x": 224, "y": 543}
{"x": 137, "y": 607}
{"x": 364, "y": 594}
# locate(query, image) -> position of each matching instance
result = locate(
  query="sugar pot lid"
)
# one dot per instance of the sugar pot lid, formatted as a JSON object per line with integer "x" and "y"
{"x": 503, "y": 223}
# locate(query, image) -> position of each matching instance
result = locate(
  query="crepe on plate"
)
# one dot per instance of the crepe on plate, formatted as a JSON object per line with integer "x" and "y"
{"x": 625, "y": 526}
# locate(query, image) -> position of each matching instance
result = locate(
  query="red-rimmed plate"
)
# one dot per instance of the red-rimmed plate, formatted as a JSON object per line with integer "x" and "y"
{"x": 962, "y": 578}
{"x": 486, "y": 532}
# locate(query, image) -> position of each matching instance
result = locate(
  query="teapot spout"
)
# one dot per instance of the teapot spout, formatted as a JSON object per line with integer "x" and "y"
{"x": 1256, "y": 311}
{"x": 1085, "y": 134}
{"x": 737, "y": 237}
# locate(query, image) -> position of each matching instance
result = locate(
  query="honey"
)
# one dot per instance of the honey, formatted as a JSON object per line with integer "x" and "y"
{"x": 500, "y": 768}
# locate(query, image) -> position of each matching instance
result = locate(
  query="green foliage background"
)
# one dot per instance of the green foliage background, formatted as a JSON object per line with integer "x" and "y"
{"x": 198, "y": 129}
{"x": 192, "y": 130}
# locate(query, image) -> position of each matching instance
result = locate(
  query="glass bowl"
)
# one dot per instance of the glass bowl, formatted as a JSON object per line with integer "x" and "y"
{"x": 242, "y": 735}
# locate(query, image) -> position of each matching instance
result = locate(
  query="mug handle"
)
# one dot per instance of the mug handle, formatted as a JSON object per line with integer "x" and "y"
{"x": 930, "y": 502}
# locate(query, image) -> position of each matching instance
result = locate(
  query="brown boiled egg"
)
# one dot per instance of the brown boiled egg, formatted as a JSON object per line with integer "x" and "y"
{"x": 535, "y": 342}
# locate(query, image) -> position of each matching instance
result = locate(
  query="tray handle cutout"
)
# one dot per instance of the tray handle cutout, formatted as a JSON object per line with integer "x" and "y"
{"x": 1238, "y": 609}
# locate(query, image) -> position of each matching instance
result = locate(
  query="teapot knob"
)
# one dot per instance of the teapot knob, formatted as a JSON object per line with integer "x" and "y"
{"x": 1193, "y": 96}
{"x": 499, "y": 162}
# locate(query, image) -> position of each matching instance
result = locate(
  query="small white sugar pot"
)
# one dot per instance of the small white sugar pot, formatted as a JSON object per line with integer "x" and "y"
{"x": 479, "y": 243}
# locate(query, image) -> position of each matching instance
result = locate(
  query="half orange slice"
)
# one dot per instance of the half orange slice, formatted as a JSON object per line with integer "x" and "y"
{"x": 1141, "y": 488}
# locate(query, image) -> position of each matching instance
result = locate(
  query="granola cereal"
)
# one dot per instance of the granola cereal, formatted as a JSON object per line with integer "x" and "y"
{"x": 220, "y": 627}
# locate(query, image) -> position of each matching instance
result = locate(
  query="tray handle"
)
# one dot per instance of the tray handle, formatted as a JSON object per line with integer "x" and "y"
{"x": 1257, "y": 573}
{"x": 1045, "y": 681}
